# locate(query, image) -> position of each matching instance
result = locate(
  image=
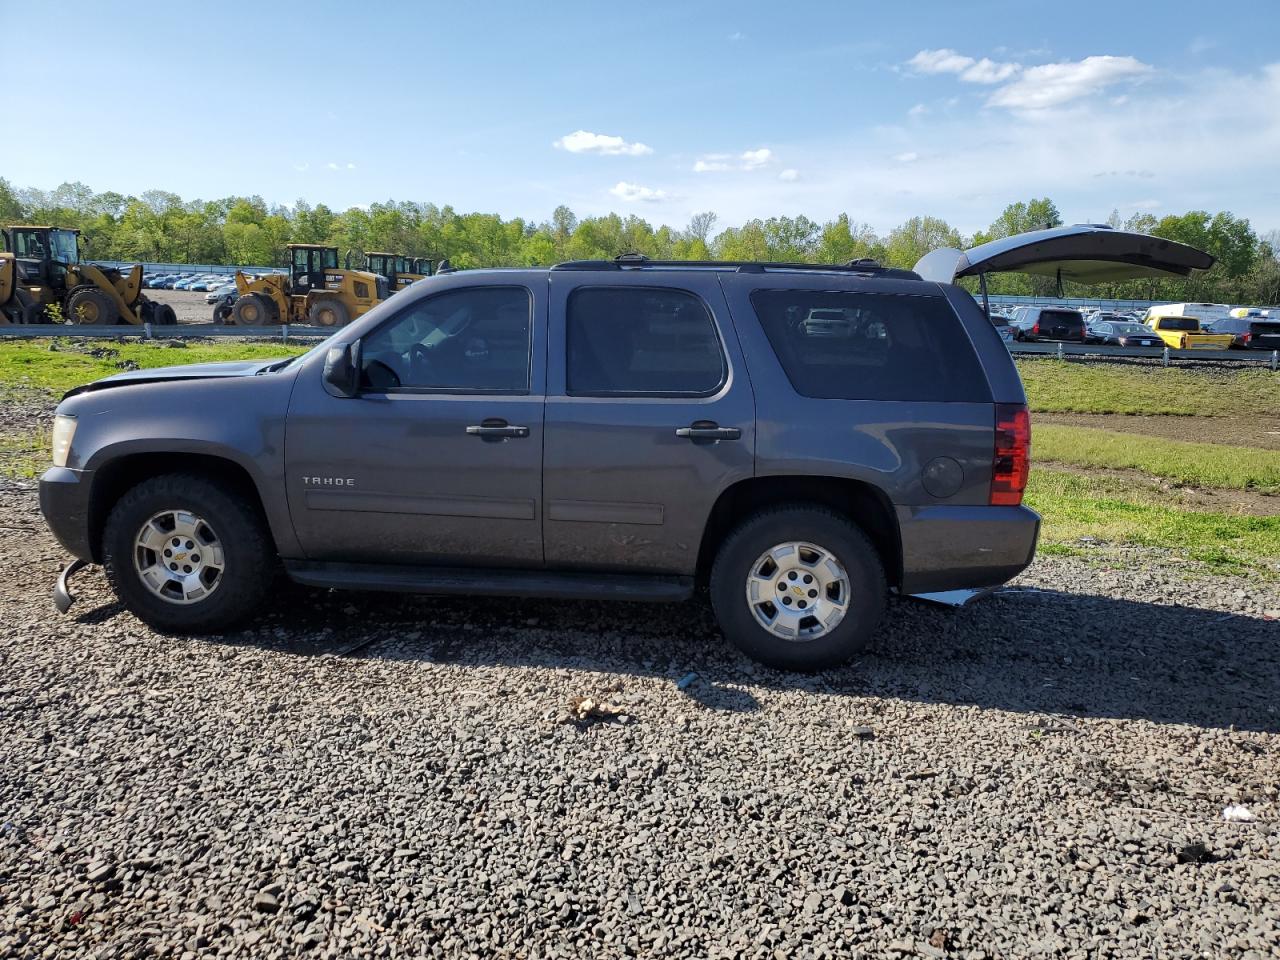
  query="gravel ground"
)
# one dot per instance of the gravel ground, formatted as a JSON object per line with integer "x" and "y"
{"x": 1043, "y": 773}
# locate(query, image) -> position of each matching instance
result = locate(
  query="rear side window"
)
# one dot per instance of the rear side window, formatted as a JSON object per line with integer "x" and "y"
{"x": 866, "y": 346}
{"x": 627, "y": 341}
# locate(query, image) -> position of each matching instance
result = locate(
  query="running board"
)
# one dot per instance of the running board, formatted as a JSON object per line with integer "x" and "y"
{"x": 488, "y": 582}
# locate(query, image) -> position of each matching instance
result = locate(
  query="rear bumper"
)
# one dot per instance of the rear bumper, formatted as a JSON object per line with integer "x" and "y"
{"x": 955, "y": 548}
{"x": 64, "y": 501}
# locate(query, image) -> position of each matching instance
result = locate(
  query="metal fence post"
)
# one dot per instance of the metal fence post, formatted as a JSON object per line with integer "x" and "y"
{"x": 1059, "y": 349}
{"x": 146, "y": 327}
{"x": 1275, "y": 359}
{"x": 284, "y": 332}
{"x": 1166, "y": 355}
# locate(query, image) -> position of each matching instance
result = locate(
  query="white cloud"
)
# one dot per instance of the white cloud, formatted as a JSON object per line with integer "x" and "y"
{"x": 747, "y": 160}
{"x": 988, "y": 71}
{"x": 713, "y": 163}
{"x": 939, "y": 61}
{"x": 967, "y": 68}
{"x": 631, "y": 192}
{"x": 909, "y": 157}
{"x": 737, "y": 35}
{"x": 789, "y": 175}
{"x": 302, "y": 167}
{"x": 1053, "y": 84}
{"x": 351, "y": 166}
{"x": 582, "y": 141}
{"x": 331, "y": 165}
{"x": 338, "y": 166}
{"x": 919, "y": 110}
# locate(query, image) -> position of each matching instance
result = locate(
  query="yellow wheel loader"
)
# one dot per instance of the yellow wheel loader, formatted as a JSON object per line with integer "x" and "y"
{"x": 399, "y": 271}
{"x": 315, "y": 291}
{"x": 46, "y": 271}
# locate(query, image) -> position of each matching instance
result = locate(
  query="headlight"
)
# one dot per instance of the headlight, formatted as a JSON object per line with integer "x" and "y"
{"x": 64, "y": 428}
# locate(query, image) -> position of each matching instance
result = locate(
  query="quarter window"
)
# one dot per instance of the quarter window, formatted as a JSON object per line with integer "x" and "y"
{"x": 863, "y": 346}
{"x": 627, "y": 341}
{"x": 464, "y": 341}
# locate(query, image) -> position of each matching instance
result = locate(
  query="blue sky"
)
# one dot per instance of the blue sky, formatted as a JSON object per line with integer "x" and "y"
{"x": 663, "y": 109}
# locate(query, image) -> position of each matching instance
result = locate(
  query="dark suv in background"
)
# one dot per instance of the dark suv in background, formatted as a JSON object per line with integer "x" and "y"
{"x": 799, "y": 440}
{"x": 1047, "y": 323}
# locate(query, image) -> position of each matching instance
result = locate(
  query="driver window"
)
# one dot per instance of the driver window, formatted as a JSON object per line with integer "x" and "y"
{"x": 468, "y": 341}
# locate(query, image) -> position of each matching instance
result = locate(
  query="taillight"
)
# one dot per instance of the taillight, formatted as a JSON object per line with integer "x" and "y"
{"x": 1246, "y": 337}
{"x": 1036, "y": 328}
{"x": 1012, "y": 458}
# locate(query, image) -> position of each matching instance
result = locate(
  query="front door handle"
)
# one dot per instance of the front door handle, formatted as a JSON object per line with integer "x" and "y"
{"x": 708, "y": 430}
{"x": 495, "y": 428}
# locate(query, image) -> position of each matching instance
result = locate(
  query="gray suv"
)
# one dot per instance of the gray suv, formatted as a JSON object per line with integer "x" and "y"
{"x": 799, "y": 440}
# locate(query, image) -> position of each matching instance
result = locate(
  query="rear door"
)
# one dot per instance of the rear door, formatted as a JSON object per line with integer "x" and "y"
{"x": 649, "y": 417}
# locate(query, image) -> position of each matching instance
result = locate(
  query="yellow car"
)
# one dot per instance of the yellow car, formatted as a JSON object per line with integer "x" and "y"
{"x": 1185, "y": 333}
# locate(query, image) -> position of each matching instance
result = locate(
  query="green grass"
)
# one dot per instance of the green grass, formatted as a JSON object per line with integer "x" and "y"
{"x": 24, "y": 456}
{"x": 60, "y": 365}
{"x": 1198, "y": 464}
{"x": 1061, "y": 386}
{"x": 1073, "y": 507}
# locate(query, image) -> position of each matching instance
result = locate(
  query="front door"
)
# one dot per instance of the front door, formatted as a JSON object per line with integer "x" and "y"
{"x": 650, "y": 417}
{"x": 439, "y": 459}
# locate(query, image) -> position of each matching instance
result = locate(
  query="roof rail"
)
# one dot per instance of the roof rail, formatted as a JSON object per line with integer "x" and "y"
{"x": 633, "y": 261}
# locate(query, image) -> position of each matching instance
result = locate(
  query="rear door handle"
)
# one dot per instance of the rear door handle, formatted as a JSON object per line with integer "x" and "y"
{"x": 708, "y": 430}
{"x": 497, "y": 429}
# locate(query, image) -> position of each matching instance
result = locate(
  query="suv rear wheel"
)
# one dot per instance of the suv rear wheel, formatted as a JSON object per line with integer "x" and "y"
{"x": 185, "y": 556}
{"x": 799, "y": 588}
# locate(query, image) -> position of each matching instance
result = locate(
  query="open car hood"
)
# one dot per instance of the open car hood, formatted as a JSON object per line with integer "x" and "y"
{"x": 1085, "y": 253}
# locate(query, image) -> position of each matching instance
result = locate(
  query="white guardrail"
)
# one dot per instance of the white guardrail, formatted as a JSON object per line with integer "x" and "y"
{"x": 284, "y": 332}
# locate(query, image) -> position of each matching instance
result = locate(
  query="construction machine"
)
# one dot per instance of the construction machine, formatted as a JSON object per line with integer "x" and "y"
{"x": 314, "y": 291}
{"x": 399, "y": 271}
{"x": 43, "y": 269}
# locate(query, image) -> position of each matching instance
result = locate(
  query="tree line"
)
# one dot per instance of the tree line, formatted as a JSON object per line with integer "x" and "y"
{"x": 162, "y": 227}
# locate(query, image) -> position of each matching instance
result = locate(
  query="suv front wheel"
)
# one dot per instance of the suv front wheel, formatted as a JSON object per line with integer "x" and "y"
{"x": 799, "y": 588}
{"x": 184, "y": 555}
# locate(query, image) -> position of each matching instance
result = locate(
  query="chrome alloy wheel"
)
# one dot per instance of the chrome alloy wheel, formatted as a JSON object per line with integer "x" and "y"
{"x": 798, "y": 591}
{"x": 178, "y": 556}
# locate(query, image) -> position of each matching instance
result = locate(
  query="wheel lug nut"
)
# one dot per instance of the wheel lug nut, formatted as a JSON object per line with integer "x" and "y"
{"x": 173, "y": 566}
{"x": 186, "y": 569}
{"x": 813, "y": 593}
{"x": 802, "y": 604}
{"x": 787, "y": 601}
{"x": 791, "y": 575}
{"x": 177, "y": 542}
{"x": 808, "y": 578}
{"x": 168, "y": 553}
{"x": 195, "y": 558}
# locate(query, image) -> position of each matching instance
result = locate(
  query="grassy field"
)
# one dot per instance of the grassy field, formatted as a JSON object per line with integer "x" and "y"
{"x": 1073, "y": 507}
{"x": 59, "y": 365}
{"x": 1200, "y": 464}
{"x": 1061, "y": 386}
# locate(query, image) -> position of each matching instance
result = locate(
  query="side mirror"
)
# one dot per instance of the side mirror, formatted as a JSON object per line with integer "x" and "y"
{"x": 342, "y": 370}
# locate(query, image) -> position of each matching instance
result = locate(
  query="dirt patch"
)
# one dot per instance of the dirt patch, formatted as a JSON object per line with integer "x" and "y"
{"x": 189, "y": 306}
{"x": 1246, "y": 430}
{"x": 1243, "y": 503}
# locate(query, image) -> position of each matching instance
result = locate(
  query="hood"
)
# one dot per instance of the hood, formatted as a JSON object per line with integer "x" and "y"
{"x": 1085, "y": 253}
{"x": 191, "y": 371}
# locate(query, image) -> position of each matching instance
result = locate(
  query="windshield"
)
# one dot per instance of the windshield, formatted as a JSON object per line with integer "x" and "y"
{"x": 331, "y": 257}
{"x": 64, "y": 246}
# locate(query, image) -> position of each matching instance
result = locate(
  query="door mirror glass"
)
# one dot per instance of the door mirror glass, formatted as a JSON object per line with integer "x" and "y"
{"x": 342, "y": 370}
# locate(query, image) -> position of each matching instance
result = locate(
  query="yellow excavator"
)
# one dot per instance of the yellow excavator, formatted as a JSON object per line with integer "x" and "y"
{"x": 314, "y": 291}
{"x": 42, "y": 269}
{"x": 399, "y": 271}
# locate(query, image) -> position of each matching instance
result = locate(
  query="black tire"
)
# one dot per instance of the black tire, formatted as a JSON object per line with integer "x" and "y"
{"x": 835, "y": 534}
{"x": 89, "y": 305}
{"x": 328, "y": 312}
{"x": 221, "y": 311}
{"x": 249, "y": 558}
{"x": 163, "y": 315}
{"x": 251, "y": 311}
{"x": 26, "y": 308}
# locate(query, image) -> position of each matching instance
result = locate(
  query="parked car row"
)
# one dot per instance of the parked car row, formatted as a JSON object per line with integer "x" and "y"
{"x": 1158, "y": 327}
